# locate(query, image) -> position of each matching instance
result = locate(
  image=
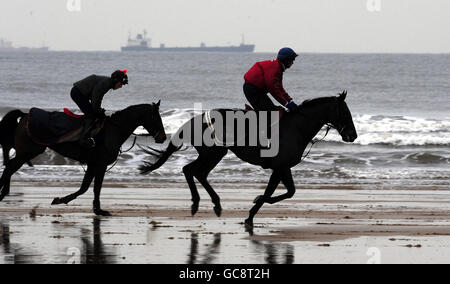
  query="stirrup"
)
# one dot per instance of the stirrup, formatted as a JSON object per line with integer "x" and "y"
{"x": 91, "y": 142}
{"x": 88, "y": 143}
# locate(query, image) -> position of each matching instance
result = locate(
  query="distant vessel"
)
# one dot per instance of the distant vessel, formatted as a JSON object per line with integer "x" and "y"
{"x": 142, "y": 43}
{"x": 6, "y": 45}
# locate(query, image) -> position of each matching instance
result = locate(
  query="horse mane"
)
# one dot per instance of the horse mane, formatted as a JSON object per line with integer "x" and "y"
{"x": 311, "y": 103}
{"x": 127, "y": 110}
{"x": 316, "y": 101}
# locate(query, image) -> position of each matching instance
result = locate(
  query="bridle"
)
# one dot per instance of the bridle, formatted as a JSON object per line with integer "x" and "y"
{"x": 329, "y": 127}
{"x": 341, "y": 126}
{"x": 155, "y": 132}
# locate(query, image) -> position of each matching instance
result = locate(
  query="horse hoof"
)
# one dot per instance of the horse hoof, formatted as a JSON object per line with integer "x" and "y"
{"x": 248, "y": 223}
{"x": 258, "y": 199}
{"x": 194, "y": 209}
{"x": 218, "y": 210}
{"x": 56, "y": 201}
{"x": 249, "y": 230}
{"x": 102, "y": 213}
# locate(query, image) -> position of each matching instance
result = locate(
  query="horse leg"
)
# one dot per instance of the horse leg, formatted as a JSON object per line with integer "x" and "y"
{"x": 208, "y": 162}
{"x": 286, "y": 178}
{"x": 274, "y": 181}
{"x": 5, "y": 180}
{"x": 99, "y": 175}
{"x": 6, "y": 150}
{"x": 87, "y": 180}
{"x": 188, "y": 171}
{"x": 26, "y": 150}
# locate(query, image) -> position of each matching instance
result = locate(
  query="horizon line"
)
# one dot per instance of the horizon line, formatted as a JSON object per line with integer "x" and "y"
{"x": 256, "y": 52}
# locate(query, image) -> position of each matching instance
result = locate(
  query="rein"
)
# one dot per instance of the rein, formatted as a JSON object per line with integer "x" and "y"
{"x": 121, "y": 152}
{"x": 329, "y": 126}
{"x": 134, "y": 143}
{"x": 117, "y": 125}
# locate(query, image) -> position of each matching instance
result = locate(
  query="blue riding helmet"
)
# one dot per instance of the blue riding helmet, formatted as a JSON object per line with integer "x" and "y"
{"x": 286, "y": 54}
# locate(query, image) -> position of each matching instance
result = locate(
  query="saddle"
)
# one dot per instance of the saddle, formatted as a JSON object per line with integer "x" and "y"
{"x": 49, "y": 128}
{"x": 281, "y": 110}
{"x": 220, "y": 138}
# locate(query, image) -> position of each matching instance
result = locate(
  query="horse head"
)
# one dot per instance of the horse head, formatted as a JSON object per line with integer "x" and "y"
{"x": 341, "y": 119}
{"x": 153, "y": 123}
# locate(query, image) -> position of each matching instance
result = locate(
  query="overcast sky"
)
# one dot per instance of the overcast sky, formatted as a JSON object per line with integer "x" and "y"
{"x": 306, "y": 25}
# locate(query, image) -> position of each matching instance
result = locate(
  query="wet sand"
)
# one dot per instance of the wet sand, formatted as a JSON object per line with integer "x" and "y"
{"x": 152, "y": 224}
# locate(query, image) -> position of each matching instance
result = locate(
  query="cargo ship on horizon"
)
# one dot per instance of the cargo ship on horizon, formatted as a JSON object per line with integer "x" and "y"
{"x": 6, "y": 45}
{"x": 142, "y": 43}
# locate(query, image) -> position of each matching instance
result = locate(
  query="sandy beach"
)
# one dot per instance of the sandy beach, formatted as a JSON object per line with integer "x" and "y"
{"x": 152, "y": 224}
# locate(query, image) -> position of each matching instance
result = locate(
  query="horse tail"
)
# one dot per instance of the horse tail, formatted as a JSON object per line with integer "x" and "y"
{"x": 9, "y": 124}
{"x": 162, "y": 156}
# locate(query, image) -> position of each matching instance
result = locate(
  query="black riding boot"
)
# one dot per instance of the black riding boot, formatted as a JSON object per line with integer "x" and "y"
{"x": 86, "y": 141}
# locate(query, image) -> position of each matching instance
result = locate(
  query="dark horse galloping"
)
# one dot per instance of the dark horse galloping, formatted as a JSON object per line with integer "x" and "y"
{"x": 115, "y": 132}
{"x": 296, "y": 130}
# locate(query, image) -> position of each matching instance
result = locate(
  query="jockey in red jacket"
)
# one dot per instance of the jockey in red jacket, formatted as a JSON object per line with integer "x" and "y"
{"x": 267, "y": 77}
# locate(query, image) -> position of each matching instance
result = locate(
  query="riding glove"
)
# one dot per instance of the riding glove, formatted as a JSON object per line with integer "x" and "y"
{"x": 291, "y": 106}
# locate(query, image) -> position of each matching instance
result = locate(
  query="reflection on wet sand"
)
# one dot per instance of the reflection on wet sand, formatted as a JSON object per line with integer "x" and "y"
{"x": 95, "y": 252}
{"x": 5, "y": 244}
{"x": 194, "y": 249}
{"x": 155, "y": 226}
{"x": 211, "y": 253}
{"x": 276, "y": 253}
{"x": 14, "y": 253}
{"x": 273, "y": 251}
{"x": 85, "y": 245}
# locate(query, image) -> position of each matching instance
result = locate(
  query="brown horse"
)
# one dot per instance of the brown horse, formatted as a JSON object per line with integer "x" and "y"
{"x": 115, "y": 132}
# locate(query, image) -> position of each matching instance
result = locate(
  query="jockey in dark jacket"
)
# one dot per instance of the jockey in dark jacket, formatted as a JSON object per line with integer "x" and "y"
{"x": 88, "y": 95}
{"x": 267, "y": 77}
